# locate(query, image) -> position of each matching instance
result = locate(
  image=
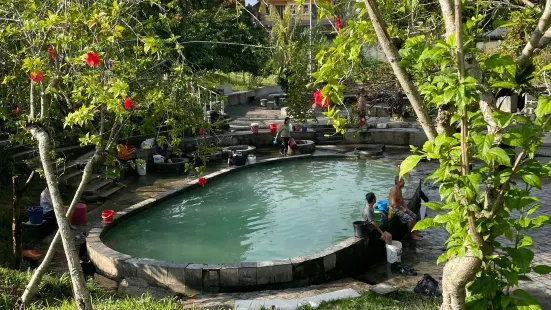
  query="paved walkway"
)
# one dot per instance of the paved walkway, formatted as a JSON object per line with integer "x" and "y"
{"x": 243, "y": 115}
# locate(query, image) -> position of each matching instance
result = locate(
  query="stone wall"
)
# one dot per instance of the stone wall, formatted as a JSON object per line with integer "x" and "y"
{"x": 264, "y": 138}
{"x": 393, "y": 136}
{"x": 262, "y": 92}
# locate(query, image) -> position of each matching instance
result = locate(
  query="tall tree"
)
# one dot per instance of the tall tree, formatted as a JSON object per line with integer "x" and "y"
{"x": 213, "y": 35}
{"x": 98, "y": 69}
{"x": 484, "y": 203}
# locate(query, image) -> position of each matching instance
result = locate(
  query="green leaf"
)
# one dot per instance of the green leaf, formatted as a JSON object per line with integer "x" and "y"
{"x": 499, "y": 155}
{"x": 544, "y": 106}
{"x": 542, "y": 269}
{"x": 522, "y": 257}
{"x": 504, "y": 84}
{"x": 526, "y": 241}
{"x": 525, "y": 301}
{"x": 545, "y": 68}
{"x": 424, "y": 224}
{"x": 449, "y": 93}
{"x": 409, "y": 163}
{"x": 433, "y": 205}
{"x": 532, "y": 179}
{"x": 441, "y": 219}
{"x": 505, "y": 301}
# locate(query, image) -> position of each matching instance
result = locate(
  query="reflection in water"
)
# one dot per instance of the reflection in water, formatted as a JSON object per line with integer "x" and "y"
{"x": 263, "y": 213}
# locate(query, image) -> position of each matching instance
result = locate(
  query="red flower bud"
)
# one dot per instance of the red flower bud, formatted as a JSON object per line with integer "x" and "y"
{"x": 51, "y": 51}
{"x": 202, "y": 181}
{"x": 202, "y": 131}
{"x": 338, "y": 23}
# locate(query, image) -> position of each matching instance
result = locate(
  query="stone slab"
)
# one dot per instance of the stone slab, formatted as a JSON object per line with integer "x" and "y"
{"x": 382, "y": 289}
{"x": 293, "y": 304}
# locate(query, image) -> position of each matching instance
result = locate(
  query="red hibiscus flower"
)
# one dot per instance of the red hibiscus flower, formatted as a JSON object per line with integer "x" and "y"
{"x": 338, "y": 23}
{"x": 52, "y": 51}
{"x": 202, "y": 181}
{"x": 17, "y": 111}
{"x": 128, "y": 103}
{"x": 202, "y": 131}
{"x": 92, "y": 59}
{"x": 320, "y": 100}
{"x": 37, "y": 76}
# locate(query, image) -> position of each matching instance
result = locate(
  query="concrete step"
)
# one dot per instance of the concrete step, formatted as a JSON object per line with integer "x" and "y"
{"x": 96, "y": 186}
{"x": 104, "y": 194}
{"x": 71, "y": 178}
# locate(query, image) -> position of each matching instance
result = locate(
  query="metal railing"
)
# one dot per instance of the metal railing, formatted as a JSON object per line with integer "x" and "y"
{"x": 202, "y": 94}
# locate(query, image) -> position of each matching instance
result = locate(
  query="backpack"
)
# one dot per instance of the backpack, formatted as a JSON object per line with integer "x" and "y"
{"x": 427, "y": 286}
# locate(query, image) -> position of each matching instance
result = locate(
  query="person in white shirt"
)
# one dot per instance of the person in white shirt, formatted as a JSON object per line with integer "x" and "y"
{"x": 46, "y": 204}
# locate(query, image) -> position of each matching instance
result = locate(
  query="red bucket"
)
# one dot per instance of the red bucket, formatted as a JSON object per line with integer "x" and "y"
{"x": 107, "y": 215}
{"x": 273, "y": 128}
{"x": 254, "y": 127}
{"x": 79, "y": 216}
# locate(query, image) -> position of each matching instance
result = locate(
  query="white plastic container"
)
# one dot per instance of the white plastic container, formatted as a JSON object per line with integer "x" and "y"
{"x": 158, "y": 159}
{"x": 251, "y": 159}
{"x": 141, "y": 169}
{"x": 394, "y": 252}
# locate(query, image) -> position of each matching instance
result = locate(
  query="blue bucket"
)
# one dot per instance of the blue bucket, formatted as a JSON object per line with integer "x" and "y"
{"x": 382, "y": 205}
{"x": 36, "y": 215}
{"x": 304, "y": 128}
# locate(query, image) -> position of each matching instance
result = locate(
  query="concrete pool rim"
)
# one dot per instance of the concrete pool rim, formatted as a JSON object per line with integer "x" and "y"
{"x": 332, "y": 263}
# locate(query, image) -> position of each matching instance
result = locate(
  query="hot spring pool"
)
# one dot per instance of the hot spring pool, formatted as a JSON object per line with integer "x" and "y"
{"x": 261, "y": 213}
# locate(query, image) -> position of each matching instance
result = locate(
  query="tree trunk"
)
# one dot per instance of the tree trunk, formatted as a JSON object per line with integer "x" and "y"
{"x": 32, "y": 287}
{"x": 18, "y": 192}
{"x": 16, "y": 224}
{"x": 457, "y": 273}
{"x": 393, "y": 58}
{"x": 443, "y": 119}
{"x": 82, "y": 295}
{"x": 448, "y": 16}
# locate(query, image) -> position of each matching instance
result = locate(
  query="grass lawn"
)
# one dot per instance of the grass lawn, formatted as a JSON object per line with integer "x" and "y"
{"x": 55, "y": 293}
{"x": 399, "y": 300}
{"x": 236, "y": 79}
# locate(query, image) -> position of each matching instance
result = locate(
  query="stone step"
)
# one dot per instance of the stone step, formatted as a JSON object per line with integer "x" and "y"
{"x": 96, "y": 186}
{"x": 107, "y": 192}
{"x": 71, "y": 177}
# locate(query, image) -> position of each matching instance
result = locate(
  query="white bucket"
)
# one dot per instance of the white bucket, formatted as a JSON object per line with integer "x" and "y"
{"x": 251, "y": 159}
{"x": 158, "y": 159}
{"x": 141, "y": 169}
{"x": 394, "y": 252}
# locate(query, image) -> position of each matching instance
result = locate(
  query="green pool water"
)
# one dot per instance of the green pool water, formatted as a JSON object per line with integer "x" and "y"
{"x": 275, "y": 211}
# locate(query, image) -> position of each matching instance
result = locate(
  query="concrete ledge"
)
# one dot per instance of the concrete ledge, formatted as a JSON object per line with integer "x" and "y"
{"x": 264, "y": 138}
{"x": 342, "y": 259}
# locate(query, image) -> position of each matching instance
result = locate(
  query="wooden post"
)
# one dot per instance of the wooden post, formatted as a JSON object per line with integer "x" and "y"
{"x": 16, "y": 223}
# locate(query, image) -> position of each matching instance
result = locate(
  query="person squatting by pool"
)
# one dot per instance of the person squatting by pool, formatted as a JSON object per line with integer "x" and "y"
{"x": 236, "y": 159}
{"x": 285, "y": 133}
{"x": 400, "y": 208}
{"x": 368, "y": 215}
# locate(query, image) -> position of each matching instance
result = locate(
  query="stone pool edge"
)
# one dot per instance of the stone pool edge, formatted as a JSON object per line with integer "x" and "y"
{"x": 335, "y": 262}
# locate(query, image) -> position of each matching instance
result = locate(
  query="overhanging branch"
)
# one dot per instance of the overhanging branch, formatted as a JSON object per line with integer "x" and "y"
{"x": 538, "y": 33}
{"x": 393, "y": 58}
